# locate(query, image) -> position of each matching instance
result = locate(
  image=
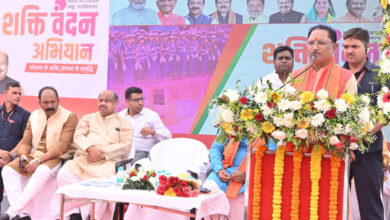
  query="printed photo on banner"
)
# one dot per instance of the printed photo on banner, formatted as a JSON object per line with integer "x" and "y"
{"x": 180, "y": 12}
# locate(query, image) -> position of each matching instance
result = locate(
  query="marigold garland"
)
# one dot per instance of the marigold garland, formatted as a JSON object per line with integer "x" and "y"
{"x": 315, "y": 175}
{"x": 296, "y": 182}
{"x": 334, "y": 183}
{"x": 257, "y": 182}
{"x": 278, "y": 177}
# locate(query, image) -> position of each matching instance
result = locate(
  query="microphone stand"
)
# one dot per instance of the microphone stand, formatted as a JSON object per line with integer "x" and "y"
{"x": 313, "y": 57}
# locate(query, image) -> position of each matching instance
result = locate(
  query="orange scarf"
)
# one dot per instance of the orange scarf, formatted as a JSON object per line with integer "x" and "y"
{"x": 232, "y": 17}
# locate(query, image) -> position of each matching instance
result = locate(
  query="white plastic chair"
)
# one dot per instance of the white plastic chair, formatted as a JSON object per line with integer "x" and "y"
{"x": 179, "y": 155}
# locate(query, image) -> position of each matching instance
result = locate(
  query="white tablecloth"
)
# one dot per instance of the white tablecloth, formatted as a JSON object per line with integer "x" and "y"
{"x": 106, "y": 189}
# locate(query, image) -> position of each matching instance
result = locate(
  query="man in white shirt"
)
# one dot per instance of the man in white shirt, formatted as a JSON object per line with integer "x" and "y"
{"x": 147, "y": 126}
{"x": 284, "y": 64}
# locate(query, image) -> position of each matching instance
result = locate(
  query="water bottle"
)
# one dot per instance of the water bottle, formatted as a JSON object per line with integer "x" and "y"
{"x": 119, "y": 176}
{"x": 156, "y": 179}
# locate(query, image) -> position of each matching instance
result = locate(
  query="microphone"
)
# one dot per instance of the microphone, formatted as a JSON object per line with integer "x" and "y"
{"x": 313, "y": 57}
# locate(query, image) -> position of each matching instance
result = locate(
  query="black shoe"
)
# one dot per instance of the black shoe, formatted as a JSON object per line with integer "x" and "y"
{"x": 74, "y": 216}
{"x": 26, "y": 217}
{"x": 4, "y": 216}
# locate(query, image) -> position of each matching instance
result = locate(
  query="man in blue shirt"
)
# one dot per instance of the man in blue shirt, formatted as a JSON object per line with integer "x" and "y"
{"x": 136, "y": 14}
{"x": 195, "y": 15}
{"x": 13, "y": 122}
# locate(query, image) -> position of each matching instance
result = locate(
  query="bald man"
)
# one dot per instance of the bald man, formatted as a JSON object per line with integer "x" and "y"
{"x": 102, "y": 139}
{"x": 4, "y": 79}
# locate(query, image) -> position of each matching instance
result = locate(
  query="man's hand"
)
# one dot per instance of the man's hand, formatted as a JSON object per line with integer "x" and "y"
{"x": 32, "y": 166}
{"x": 5, "y": 155}
{"x": 238, "y": 176}
{"x": 3, "y": 162}
{"x": 94, "y": 154}
{"x": 148, "y": 131}
{"x": 223, "y": 175}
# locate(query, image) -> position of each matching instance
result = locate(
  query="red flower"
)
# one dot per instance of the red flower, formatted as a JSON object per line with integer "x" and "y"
{"x": 330, "y": 114}
{"x": 224, "y": 97}
{"x": 183, "y": 184}
{"x": 160, "y": 190}
{"x": 184, "y": 194}
{"x": 386, "y": 97}
{"x": 244, "y": 100}
{"x": 154, "y": 174}
{"x": 271, "y": 104}
{"x": 388, "y": 38}
{"x": 166, "y": 187}
{"x": 387, "y": 53}
{"x": 173, "y": 180}
{"x": 177, "y": 190}
{"x": 132, "y": 173}
{"x": 145, "y": 178}
{"x": 259, "y": 116}
{"x": 162, "y": 180}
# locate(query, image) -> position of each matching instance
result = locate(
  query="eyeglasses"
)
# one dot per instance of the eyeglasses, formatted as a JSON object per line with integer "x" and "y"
{"x": 137, "y": 100}
{"x": 319, "y": 43}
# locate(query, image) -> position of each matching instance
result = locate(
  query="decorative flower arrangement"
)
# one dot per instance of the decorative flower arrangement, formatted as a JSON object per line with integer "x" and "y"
{"x": 384, "y": 72}
{"x": 257, "y": 182}
{"x": 384, "y": 106}
{"x": 183, "y": 186}
{"x": 278, "y": 181}
{"x": 139, "y": 179}
{"x": 301, "y": 118}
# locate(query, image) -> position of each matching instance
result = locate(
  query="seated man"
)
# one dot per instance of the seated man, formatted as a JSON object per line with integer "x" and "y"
{"x": 102, "y": 139}
{"x": 46, "y": 141}
{"x": 228, "y": 166}
{"x": 147, "y": 125}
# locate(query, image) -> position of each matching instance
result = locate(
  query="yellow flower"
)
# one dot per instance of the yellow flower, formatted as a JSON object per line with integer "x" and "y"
{"x": 275, "y": 97}
{"x": 349, "y": 99}
{"x": 384, "y": 3}
{"x": 169, "y": 192}
{"x": 307, "y": 97}
{"x": 388, "y": 27}
{"x": 227, "y": 127}
{"x": 267, "y": 127}
{"x": 247, "y": 114}
{"x": 304, "y": 123}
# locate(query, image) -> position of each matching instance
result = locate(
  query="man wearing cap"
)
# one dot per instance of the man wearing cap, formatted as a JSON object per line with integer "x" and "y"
{"x": 4, "y": 79}
{"x": 255, "y": 10}
{"x": 355, "y": 12}
{"x": 164, "y": 58}
{"x": 128, "y": 58}
{"x": 215, "y": 53}
{"x": 224, "y": 13}
{"x": 135, "y": 14}
{"x": 166, "y": 15}
{"x": 193, "y": 54}
{"x": 154, "y": 55}
{"x": 195, "y": 15}
{"x": 183, "y": 54}
{"x": 142, "y": 63}
{"x": 173, "y": 56}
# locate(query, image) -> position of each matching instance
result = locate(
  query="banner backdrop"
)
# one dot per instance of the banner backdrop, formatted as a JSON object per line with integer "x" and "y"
{"x": 61, "y": 43}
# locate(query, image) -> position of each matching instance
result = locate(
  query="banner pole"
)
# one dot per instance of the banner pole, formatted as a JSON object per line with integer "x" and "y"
{"x": 346, "y": 188}
{"x": 247, "y": 179}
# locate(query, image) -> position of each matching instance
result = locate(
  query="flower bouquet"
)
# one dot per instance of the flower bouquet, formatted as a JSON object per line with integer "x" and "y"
{"x": 182, "y": 186}
{"x": 301, "y": 119}
{"x": 384, "y": 106}
{"x": 139, "y": 179}
{"x": 384, "y": 71}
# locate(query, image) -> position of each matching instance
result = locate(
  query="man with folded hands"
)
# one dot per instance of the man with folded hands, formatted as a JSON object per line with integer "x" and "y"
{"x": 102, "y": 139}
{"x": 45, "y": 143}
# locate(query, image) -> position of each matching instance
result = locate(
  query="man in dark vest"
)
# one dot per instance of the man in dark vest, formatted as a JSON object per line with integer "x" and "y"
{"x": 286, "y": 13}
{"x": 366, "y": 169}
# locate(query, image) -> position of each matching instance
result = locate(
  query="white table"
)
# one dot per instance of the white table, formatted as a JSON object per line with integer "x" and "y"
{"x": 104, "y": 189}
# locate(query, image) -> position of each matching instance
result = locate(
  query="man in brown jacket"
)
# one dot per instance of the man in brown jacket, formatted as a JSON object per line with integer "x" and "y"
{"x": 45, "y": 143}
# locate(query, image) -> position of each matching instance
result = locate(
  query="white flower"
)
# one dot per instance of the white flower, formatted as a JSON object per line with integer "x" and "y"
{"x": 338, "y": 129}
{"x": 386, "y": 108}
{"x": 380, "y": 101}
{"x": 317, "y": 120}
{"x": 322, "y": 105}
{"x": 295, "y": 105}
{"x": 267, "y": 111}
{"x": 135, "y": 178}
{"x": 284, "y": 105}
{"x": 280, "y": 135}
{"x": 232, "y": 95}
{"x": 260, "y": 98}
{"x": 341, "y": 105}
{"x": 366, "y": 99}
{"x": 364, "y": 116}
{"x": 302, "y": 133}
{"x": 323, "y": 94}
{"x": 353, "y": 146}
{"x": 384, "y": 57}
{"x": 288, "y": 120}
{"x": 348, "y": 129}
{"x": 279, "y": 122}
{"x": 334, "y": 140}
{"x": 251, "y": 129}
{"x": 226, "y": 114}
{"x": 385, "y": 89}
{"x": 385, "y": 67}
{"x": 289, "y": 89}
